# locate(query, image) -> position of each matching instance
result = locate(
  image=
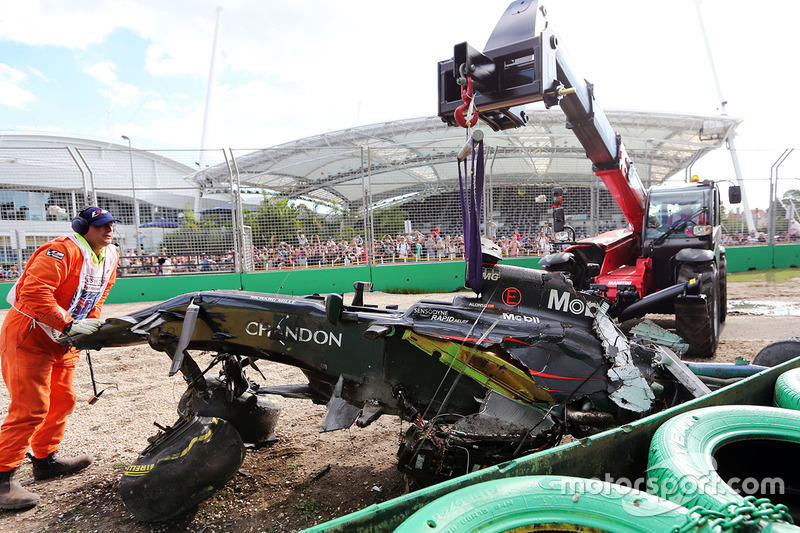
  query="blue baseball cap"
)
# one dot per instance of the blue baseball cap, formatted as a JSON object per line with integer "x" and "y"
{"x": 96, "y": 216}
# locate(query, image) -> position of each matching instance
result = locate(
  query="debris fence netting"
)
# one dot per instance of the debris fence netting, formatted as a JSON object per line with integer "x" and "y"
{"x": 190, "y": 211}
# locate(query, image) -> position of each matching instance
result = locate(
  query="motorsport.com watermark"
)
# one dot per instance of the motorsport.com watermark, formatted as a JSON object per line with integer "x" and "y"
{"x": 673, "y": 488}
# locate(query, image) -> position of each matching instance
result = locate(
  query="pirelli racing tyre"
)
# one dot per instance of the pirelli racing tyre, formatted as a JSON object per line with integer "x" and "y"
{"x": 787, "y": 390}
{"x": 253, "y": 415}
{"x": 778, "y": 352}
{"x": 697, "y": 320}
{"x": 547, "y": 503}
{"x": 181, "y": 468}
{"x": 706, "y": 457}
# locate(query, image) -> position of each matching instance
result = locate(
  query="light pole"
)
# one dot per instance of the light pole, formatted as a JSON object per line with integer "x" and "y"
{"x": 135, "y": 200}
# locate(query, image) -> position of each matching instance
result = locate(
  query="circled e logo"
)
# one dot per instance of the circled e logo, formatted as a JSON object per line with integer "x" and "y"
{"x": 512, "y": 296}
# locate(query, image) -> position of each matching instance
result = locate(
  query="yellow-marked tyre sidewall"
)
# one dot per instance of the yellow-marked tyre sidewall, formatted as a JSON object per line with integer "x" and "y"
{"x": 501, "y": 505}
{"x": 787, "y": 390}
{"x": 681, "y": 465}
{"x": 193, "y": 458}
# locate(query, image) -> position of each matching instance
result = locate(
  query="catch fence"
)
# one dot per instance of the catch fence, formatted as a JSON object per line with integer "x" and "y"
{"x": 187, "y": 212}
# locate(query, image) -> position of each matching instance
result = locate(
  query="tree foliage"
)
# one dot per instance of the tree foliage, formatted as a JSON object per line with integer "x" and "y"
{"x": 275, "y": 220}
{"x": 216, "y": 236}
{"x": 278, "y": 219}
{"x": 275, "y": 217}
{"x": 389, "y": 221}
{"x": 792, "y": 194}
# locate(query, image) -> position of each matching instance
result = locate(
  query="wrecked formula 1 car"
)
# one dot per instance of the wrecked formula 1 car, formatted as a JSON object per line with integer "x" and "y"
{"x": 482, "y": 378}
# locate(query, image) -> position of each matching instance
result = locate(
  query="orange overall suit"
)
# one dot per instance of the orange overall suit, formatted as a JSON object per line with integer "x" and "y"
{"x": 38, "y": 371}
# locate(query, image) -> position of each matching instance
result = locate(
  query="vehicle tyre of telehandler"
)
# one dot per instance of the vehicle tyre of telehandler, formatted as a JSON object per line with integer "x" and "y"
{"x": 181, "y": 468}
{"x": 723, "y": 288}
{"x": 778, "y": 352}
{"x": 697, "y": 321}
{"x": 253, "y": 415}
{"x": 536, "y": 502}
{"x": 705, "y": 456}
{"x": 787, "y": 390}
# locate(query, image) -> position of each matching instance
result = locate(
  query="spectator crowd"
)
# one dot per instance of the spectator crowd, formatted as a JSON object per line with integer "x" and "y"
{"x": 400, "y": 248}
{"x": 306, "y": 252}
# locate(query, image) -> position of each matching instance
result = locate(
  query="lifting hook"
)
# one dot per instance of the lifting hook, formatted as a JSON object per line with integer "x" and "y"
{"x": 466, "y": 114}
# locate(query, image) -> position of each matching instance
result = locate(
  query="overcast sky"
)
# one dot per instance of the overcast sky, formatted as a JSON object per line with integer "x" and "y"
{"x": 294, "y": 68}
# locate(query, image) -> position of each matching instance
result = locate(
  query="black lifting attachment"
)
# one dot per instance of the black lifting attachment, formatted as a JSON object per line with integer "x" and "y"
{"x": 517, "y": 66}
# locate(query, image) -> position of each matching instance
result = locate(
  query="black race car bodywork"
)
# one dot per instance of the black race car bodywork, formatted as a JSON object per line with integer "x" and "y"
{"x": 481, "y": 378}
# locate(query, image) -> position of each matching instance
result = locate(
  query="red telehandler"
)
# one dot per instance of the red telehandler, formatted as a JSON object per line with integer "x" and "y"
{"x": 670, "y": 259}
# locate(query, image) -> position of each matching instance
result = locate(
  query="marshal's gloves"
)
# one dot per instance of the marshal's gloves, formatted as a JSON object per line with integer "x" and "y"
{"x": 84, "y": 326}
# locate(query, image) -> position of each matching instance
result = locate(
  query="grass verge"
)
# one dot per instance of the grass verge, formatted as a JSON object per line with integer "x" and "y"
{"x": 775, "y": 275}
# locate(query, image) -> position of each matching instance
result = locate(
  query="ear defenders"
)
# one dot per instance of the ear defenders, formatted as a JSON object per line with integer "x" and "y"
{"x": 80, "y": 225}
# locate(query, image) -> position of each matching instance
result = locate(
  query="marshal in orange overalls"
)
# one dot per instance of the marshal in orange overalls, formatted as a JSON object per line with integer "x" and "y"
{"x": 38, "y": 371}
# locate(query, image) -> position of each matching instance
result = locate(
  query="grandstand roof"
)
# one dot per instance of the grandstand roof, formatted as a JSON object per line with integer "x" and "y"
{"x": 407, "y": 157}
{"x": 58, "y": 161}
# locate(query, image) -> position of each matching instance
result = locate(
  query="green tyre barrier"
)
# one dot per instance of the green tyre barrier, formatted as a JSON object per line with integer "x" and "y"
{"x": 567, "y": 503}
{"x": 787, "y": 390}
{"x": 681, "y": 464}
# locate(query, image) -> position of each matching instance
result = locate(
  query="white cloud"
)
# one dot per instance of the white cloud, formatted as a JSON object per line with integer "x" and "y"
{"x": 64, "y": 23}
{"x": 37, "y": 73}
{"x": 15, "y": 96}
{"x": 118, "y": 92}
{"x": 180, "y": 51}
{"x": 104, "y": 71}
{"x": 156, "y": 104}
{"x": 10, "y": 74}
{"x": 11, "y": 92}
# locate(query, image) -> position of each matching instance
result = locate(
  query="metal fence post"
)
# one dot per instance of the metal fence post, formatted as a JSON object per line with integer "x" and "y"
{"x": 83, "y": 178}
{"x": 139, "y": 241}
{"x": 773, "y": 196}
{"x": 594, "y": 206}
{"x": 488, "y": 198}
{"x": 93, "y": 197}
{"x": 369, "y": 226}
{"x": 236, "y": 213}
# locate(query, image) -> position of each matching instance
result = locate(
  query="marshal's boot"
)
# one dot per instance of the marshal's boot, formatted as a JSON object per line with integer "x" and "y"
{"x": 51, "y": 466}
{"x": 13, "y": 495}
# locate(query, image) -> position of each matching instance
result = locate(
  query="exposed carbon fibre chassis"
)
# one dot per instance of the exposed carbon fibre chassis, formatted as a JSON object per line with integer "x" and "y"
{"x": 501, "y": 374}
